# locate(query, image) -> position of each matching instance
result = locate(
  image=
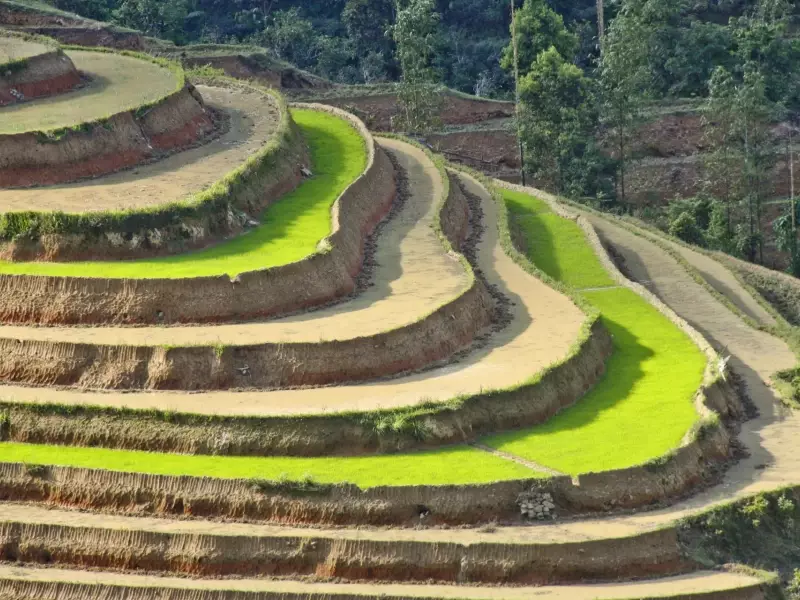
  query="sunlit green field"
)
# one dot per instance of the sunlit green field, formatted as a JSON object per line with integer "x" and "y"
{"x": 438, "y": 467}
{"x": 644, "y": 405}
{"x": 639, "y": 411}
{"x": 290, "y": 228}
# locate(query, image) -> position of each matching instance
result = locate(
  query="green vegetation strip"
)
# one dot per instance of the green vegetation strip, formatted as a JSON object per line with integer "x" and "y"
{"x": 290, "y": 228}
{"x": 640, "y": 410}
{"x": 643, "y": 407}
{"x": 447, "y": 466}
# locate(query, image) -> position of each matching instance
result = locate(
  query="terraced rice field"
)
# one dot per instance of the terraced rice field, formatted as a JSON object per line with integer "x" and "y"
{"x": 640, "y": 404}
{"x": 459, "y": 465}
{"x": 115, "y": 86}
{"x": 252, "y": 120}
{"x": 643, "y": 407}
{"x": 289, "y": 230}
{"x": 451, "y": 485}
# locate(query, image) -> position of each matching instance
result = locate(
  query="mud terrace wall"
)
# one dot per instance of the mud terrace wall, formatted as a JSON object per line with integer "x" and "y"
{"x": 781, "y": 290}
{"x": 634, "y": 488}
{"x": 120, "y": 141}
{"x": 344, "y": 504}
{"x": 19, "y": 590}
{"x": 38, "y": 76}
{"x": 434, "y": 337}
{"x": 102, "y": 36}
{"x": 378, "y": 111}
{"x": 650, "y": 554}
{"x": 316, "y": 280}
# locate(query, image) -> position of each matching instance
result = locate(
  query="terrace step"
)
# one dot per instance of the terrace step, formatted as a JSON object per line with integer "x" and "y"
{"x": 252, "y": 121}
{"x": 543, "y": 326}
{"x": 21, "y": 583}
{"x": 508, "y": 555}
{"x": 38, "y": 70}
{"x": 420, "y": 297}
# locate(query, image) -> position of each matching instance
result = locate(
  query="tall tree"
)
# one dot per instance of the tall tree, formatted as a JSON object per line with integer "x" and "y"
{"x": 754, "y": 113}
{"x": 558, "y": 119}
{"x": 723, "y": 161}
{"x": 536, "y": 28}
{"x": 626, "y": 82}
{"x": 601, "y": 22}
{"x": 416, "y": 35}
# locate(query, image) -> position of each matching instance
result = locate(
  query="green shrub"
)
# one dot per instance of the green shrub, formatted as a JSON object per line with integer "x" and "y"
{"x": 685, "y": 227}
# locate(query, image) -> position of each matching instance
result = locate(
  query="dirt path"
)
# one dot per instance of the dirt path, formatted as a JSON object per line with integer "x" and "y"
{"x": 671, "y": 586}
{"x": 544, "y": 326}
{"x": 413, "y": 277}
{"x": 14, "y": 48}
{"x": 119, "y": 83}
{"x": 723, "y": 281}
{"x": 253, "y": 120}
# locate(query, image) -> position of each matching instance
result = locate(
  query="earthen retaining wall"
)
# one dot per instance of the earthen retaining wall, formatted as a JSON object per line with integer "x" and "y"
{"x": 316, "y": 435}
{"x": 646, "y": 555}
{"x": 637, "y": 487}
{"x": 378, "y": 111}
{"x": 214, "y": 214}
{"x": 123, "y": 140}
{"x": 42, "y": 75}
{"x": 343, "y": 504}
{"x": 106, "y": 37}
{"x": 46, "y": 590}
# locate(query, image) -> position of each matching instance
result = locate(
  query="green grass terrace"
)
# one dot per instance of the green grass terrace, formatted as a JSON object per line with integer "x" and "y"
{"x": 289, "y": 229}
{"x": 639, "y": 411}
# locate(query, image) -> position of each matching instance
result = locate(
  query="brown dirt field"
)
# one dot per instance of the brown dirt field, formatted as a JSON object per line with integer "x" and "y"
{"x": 253, "y": 120}
{"x": 115, "y": 86}
{"x": 726, "y": 584}
{"x": 413, "y": 277}
{"x": 544, "y": 326}
{"x": 13, "y": 48}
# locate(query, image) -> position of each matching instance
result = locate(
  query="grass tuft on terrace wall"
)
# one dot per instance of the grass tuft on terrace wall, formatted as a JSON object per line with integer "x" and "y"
{"x": 643, "y": 406}
{"x": 290, "y": 228}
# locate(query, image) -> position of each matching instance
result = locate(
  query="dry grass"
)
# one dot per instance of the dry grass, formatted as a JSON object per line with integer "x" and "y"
{"x": 15, "y": 48}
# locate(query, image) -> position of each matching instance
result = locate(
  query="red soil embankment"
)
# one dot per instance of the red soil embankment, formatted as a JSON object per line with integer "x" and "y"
{"x": 378, "y": 111}
{"x": 625, "y": 489}
{"x": 121, "y": 141}
{"x": 205, "y": 555}
{"x": 43, "y": 75}
{"x": 105, "y": 37}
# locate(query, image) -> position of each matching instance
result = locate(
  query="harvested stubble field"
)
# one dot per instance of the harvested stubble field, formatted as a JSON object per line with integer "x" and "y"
{"x": 290, "y": 229}
{"x": 115, "y": 86}
{"x": 643, "y": 407}
{"x": 13, "y": 49}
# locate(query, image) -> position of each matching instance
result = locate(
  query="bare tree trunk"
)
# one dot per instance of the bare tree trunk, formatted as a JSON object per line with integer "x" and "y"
{"x": 791, "y": 194}
{"x": 516, "y": 92}
{"x": 601, "y": 23}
